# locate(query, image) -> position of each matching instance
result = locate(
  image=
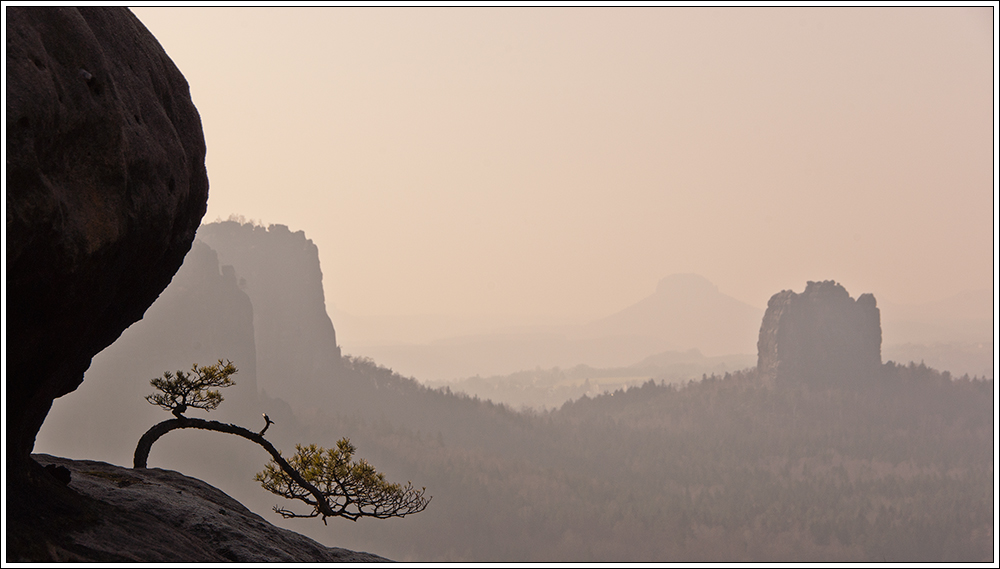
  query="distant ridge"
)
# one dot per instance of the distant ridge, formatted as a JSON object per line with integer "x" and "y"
{"x": 687, "y": 311}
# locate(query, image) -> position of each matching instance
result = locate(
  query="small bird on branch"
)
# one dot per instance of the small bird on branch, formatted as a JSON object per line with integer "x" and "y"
{"x": 268, "y": 422}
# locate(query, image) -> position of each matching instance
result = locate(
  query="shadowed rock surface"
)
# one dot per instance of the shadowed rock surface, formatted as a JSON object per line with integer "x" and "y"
{"x": 819, "y": 336}
{"x": 155, "y": 515}
{"x": 106, "y": 186}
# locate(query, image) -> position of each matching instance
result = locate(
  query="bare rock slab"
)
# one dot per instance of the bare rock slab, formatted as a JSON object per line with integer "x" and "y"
{"x": 156, "y": 515}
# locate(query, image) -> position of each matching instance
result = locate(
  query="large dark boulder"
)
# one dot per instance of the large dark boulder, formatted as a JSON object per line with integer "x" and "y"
{"x": 820, "y": 337}
{"x": 106, "y": 186}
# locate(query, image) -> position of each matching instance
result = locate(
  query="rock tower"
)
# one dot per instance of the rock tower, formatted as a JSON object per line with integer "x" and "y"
{"x": 821, "y": 336}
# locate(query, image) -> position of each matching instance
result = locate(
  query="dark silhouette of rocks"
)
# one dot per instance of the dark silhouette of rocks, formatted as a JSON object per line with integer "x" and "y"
{"x": 106, "y": 186}
{"x": 162, "y": 516}
{"x": 60, "y": 473}
{"x": 821, "y": 336}
{"x": 297, "y": 348}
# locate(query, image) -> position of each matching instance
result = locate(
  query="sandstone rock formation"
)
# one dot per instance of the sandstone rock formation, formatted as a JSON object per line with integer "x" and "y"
{"x": 297, "y": 350}
{"x": 821, "y": 336}
{"x": 106, "y": 186}
{"x": 154, "y": 515}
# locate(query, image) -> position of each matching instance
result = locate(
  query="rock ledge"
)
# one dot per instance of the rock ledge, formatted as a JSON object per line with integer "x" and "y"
{"x": 156, "y": 515}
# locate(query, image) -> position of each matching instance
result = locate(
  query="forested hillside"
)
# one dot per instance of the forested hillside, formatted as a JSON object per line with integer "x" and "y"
{"x": 895, "y": 464}
{"x": 723, "y": 469}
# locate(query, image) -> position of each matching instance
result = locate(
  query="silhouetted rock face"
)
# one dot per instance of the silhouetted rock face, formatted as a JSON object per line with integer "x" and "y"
{"x": 279, "y": 269}
{"x": 106, "y": 186}
{"x": 820, "y": 336}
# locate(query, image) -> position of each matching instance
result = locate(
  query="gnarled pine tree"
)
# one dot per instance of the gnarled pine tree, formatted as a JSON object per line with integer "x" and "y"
{"x": 326, "y": 479}
{"x": 351, "y": 489}
{"x": 181, "y": 391}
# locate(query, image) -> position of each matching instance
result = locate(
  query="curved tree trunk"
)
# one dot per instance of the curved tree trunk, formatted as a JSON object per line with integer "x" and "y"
{"x": 160, "y": 429}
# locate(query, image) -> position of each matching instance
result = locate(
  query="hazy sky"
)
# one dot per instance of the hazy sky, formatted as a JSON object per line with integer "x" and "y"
{"x": 546, "y": 163}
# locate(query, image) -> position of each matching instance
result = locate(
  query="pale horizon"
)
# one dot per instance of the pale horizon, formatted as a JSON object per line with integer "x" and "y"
{"x": 552, "y": 165}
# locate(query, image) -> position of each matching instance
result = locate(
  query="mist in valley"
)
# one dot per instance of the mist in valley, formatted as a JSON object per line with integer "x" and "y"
{"x": 642, "y": 286}
{"x": 680, "y": 456}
